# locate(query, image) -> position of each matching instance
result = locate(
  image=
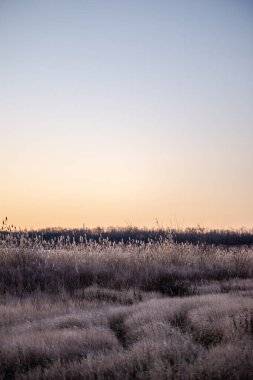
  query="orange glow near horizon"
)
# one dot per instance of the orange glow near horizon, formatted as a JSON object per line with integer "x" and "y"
{"x": 127, "y": 113}
{"x": 92, "y": 211}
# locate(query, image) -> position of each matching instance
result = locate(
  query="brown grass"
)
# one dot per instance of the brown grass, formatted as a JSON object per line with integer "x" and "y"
{"x": 155, "y": 311}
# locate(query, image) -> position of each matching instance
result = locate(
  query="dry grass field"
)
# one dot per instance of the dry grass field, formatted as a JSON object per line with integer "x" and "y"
{"x": 100, "y": 311}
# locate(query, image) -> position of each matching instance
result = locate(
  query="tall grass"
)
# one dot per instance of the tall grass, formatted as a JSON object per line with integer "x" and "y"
{"x": 105, "y": 310}
{"x": 166, "y": 267}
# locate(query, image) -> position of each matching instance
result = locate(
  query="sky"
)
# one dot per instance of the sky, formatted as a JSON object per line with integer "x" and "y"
{"x": 134, "y": 112}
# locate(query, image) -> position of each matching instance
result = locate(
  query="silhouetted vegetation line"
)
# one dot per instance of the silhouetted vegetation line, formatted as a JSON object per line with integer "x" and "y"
{"x": 194, "y": 236}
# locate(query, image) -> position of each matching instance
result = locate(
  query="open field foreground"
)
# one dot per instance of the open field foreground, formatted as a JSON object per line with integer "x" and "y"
{"x": 126, "y": 311}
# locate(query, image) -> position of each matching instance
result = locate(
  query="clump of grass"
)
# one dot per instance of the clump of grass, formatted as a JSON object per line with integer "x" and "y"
{"x": 149, "y": 267}
{"x": 170, "y": 337}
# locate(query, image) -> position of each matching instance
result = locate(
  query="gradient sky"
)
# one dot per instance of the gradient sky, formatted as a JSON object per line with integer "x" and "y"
{"x": 124, "y": 112}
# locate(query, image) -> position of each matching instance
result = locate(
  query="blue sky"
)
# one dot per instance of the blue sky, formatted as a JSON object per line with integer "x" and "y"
{"x": 115, "y": 112}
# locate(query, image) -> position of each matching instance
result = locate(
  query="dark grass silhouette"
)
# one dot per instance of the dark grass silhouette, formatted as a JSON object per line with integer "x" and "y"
{"x": 134, "y": 234}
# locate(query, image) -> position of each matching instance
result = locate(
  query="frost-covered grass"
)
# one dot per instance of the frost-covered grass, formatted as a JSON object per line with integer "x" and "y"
{"x": 136, "y": 311}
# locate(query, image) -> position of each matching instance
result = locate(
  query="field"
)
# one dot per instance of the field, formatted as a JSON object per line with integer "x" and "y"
{"x": 137, "y": 310}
